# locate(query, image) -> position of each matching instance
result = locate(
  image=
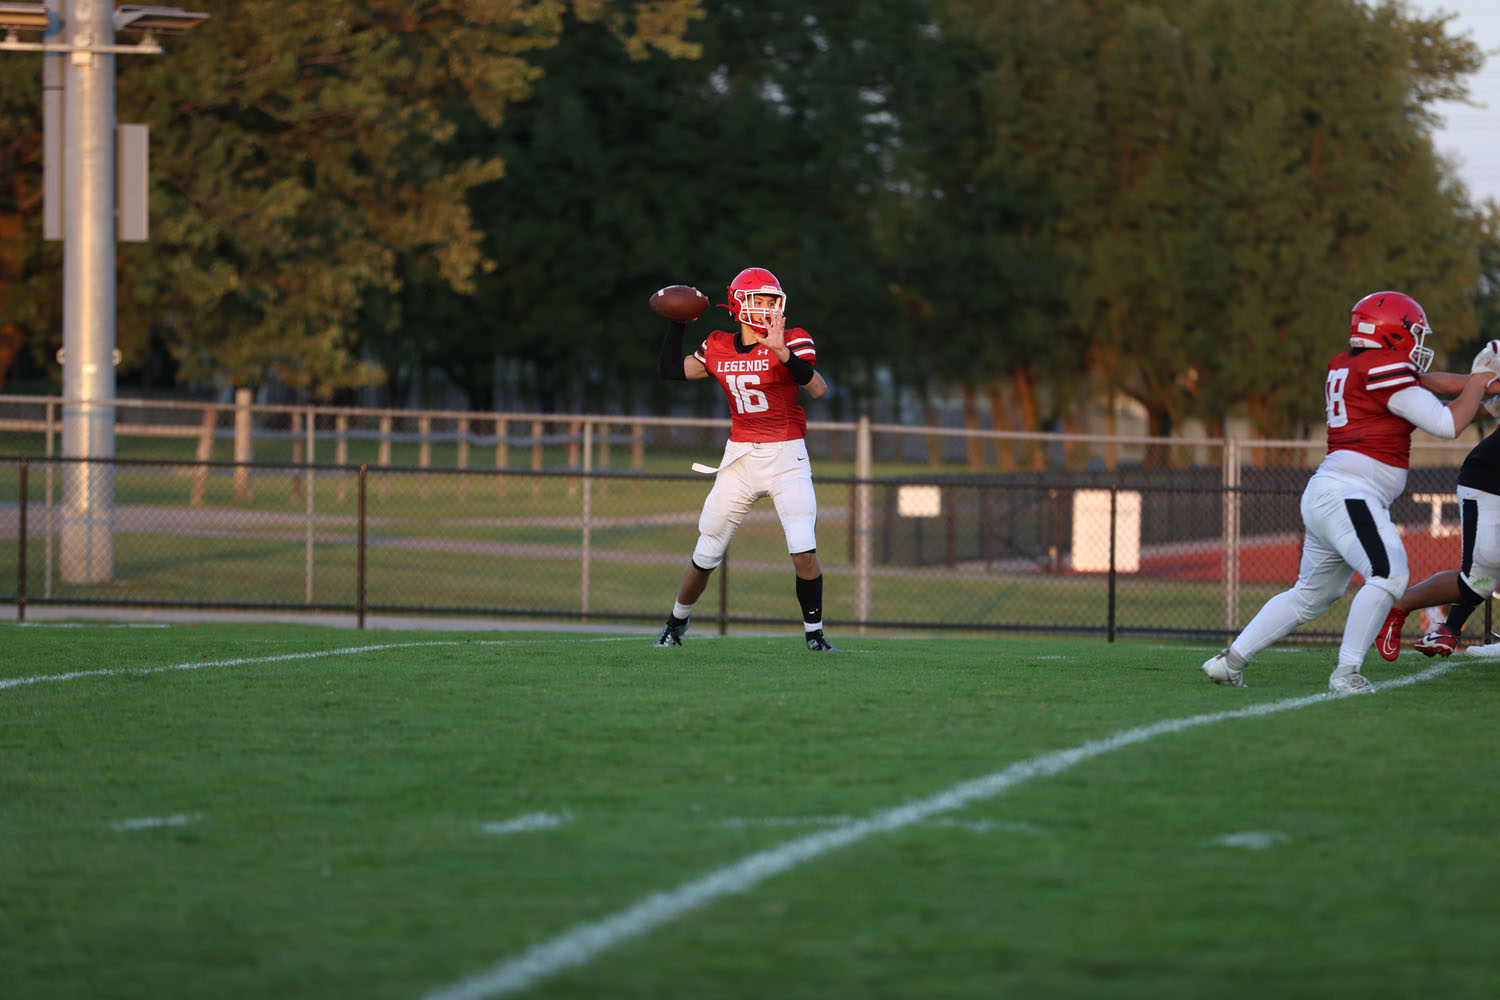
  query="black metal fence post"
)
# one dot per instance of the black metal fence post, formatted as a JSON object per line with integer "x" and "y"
{"x": 952, "y": 539}
{"x": 360, "y": 586}
{"x": 1111, "y": 626}
{"x": 21, "y": 556}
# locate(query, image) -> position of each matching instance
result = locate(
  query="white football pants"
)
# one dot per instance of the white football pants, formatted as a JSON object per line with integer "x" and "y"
{"x": 1348, "y": 530}
{"x": 1479, "y": 516}
{"x": 778, "y": 469}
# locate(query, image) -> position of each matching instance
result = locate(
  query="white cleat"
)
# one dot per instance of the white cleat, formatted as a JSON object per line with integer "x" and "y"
{"x": 1486, "y": 652}
{"x": 1351, "y": 683}
{"x": 1220, "y": 672}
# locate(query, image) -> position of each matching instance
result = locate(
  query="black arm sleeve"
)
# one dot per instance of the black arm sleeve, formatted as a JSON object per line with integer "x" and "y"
{"x": 669, "y": 365}
{"x": 802, "y": 372}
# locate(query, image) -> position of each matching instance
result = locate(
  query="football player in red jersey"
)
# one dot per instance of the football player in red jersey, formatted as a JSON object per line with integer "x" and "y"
{"x": 761, "y": 367}
{"x": 1374, "y": 399}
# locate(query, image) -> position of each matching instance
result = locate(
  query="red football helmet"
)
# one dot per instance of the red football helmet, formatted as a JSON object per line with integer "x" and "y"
{"x": 750, "y": 282}
{"x": 1394, "y": 321}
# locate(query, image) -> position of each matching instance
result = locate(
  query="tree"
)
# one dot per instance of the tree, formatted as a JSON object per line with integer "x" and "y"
{"x": 1224, "y": 180}
{"x": 302, "y": 149}
{"x": 625, "y": 175}
{"x": 30, "y": 282}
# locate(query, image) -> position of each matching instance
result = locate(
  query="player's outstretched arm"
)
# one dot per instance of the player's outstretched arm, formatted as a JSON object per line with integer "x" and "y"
{"x": 1422, "y": 409}
{"x": 1451, "y": 384}
{"x": 672, "y": 364}
{"x": 1448, "y": 383}
{"x": 1466, "y": 406}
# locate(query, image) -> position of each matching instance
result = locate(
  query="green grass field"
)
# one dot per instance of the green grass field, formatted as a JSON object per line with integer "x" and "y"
{"x": 287, "y": 811}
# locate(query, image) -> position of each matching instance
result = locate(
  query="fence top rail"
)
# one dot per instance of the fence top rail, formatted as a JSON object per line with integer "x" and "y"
{"x": 198, "y": 406}
{"x": 354, "y": 468}
{"x": 1176, "y": 442}
{"x": 1017, "y": 481}
{"x": 1045, "y": 435}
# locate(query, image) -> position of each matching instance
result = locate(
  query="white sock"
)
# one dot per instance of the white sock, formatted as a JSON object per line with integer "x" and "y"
{"x": 1275, "y": 620}
{"x": 812, "y": 626}
{"x": 1366, "y": 614}
{"x": 682, "y": 611}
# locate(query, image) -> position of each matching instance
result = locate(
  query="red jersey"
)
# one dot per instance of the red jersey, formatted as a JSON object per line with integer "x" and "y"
{"x": 762, "y": 394}
{"x": 1358, "y": 392}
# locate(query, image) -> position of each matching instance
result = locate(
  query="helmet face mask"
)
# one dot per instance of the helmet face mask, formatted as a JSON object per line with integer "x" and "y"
{"x": 1421, "y": 354}
{"x": 1393, "y": 321}
{"x": 756, "y": 298}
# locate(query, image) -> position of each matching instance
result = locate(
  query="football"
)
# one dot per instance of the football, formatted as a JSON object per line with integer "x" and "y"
{"x": 679, "y": 303}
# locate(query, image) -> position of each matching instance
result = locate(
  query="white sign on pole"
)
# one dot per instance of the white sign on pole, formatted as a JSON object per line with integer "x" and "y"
{"x": 132, "y": 219}
{"x": 1091, "y": 531}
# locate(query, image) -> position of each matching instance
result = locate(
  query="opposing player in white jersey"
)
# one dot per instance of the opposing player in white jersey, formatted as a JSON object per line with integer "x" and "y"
{"x": 1374, "y": 400}
{"x": 761, "y": 367}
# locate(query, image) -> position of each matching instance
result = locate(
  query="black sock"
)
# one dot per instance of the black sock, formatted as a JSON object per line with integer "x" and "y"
{"x": 1460, "y": 610}
{"x": 1457, "y": 615}
{"x": 810, "y": 596}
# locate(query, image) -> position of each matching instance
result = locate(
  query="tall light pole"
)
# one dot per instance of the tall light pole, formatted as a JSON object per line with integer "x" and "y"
{"x": 82, "y": 32}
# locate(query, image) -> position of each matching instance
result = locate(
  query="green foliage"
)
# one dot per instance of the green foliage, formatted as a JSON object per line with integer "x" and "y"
{"x": 1172, "y": 199}
{"x": 1223, "y": 180}
{"x": 30, "y": 270}
{"x": 624, "y": 175}
{"x": 1487, "y": 292}
{"x": 311, "y": 149}
{"x": 302, "y": 150}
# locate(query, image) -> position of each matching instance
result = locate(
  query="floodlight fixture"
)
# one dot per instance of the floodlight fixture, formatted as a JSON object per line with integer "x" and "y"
{"x": 157, "y": 20}
{"x": 23, "y": 17}
{"x": 131, "y": 18}
{"x": 18, "y": 17}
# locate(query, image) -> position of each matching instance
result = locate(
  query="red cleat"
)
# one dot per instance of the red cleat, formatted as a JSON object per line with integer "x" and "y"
{"x": 1388, "y": 640}
{"x": 1439, "y": 642}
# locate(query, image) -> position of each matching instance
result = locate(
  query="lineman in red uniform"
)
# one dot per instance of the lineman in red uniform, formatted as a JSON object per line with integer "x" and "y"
{"x": 761, "y": 369}
{"x": 1374, "y": 400}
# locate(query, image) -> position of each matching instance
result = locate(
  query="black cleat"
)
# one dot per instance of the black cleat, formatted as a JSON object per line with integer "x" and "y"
{"x": 671, "y": 635}
{"x": 817, "y": 644}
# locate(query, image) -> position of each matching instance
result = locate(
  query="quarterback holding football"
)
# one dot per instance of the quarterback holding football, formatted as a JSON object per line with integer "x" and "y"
{"x": 761, "y": 367}
{"x": 1374, "y": 399}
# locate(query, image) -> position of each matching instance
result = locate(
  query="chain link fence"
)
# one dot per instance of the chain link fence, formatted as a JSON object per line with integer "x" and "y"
{"x": 592, "y": 518}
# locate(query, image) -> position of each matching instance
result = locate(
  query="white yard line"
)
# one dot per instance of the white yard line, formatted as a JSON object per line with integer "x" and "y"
{"x": 242, "y": 661}
{"x": 89, "y": 625}
{"x": 584, "y": 942}
{"x": 527, "y": 823}
{"x": 973, "y": 826}
{"x": 1253, "y": 840}
{"x": 153, "y": 822}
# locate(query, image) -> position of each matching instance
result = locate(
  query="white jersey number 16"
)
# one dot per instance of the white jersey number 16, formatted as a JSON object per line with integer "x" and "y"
{"x": 747, "y": 398}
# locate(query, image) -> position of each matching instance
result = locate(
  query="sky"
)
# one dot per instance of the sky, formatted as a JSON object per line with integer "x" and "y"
{"x": 1470, "y": 136}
